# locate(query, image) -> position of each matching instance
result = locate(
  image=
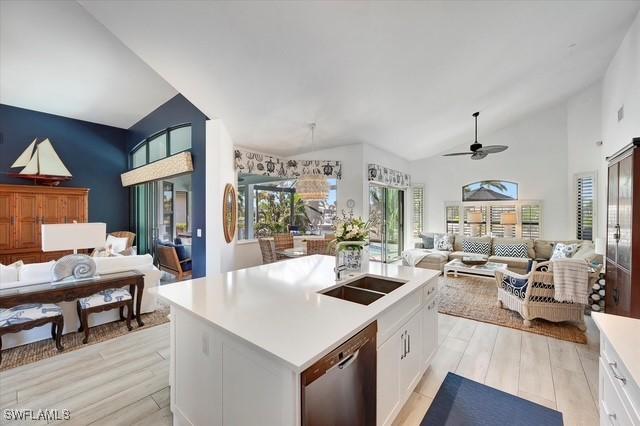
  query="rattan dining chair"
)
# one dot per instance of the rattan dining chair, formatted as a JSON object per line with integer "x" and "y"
{"x": 268, "y": 250}
{"x": 282, "y": 242}
{"x": 317, "y": 246}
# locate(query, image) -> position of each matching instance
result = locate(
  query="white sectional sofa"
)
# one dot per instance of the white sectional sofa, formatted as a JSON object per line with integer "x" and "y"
{"x": 37, "y": 273}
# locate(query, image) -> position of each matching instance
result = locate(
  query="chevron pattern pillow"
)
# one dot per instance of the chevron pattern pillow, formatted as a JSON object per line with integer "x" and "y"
{"x": 479, "y": 247}
{"x": 511, "y": 250}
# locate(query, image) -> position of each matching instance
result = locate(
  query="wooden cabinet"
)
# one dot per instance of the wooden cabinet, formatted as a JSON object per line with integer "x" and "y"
{"x": 623, "y": 233}
{"x": 23, "y": 209}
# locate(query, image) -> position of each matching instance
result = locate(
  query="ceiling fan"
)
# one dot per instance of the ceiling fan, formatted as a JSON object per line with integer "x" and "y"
{"x": 477, "y": 151}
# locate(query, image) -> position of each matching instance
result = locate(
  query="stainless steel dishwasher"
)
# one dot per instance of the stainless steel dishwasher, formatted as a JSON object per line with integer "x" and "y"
{"x": 340, "y": 389}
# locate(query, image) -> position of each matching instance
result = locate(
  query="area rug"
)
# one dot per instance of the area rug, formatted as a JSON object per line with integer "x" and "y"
{"x": 32, "y": 352}
{"x": 475, "y": 298}
{"x": 461, "y": 401}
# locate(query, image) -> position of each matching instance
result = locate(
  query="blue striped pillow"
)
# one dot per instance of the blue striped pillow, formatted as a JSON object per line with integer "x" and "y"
{"x": 511, "y": 250}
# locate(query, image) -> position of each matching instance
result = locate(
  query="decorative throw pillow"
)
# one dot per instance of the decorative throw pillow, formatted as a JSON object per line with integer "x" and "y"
{"x": 117, "y": 244}
{"x": 10, "y": 273}
{"x": 427, "y": 240}
{"x": 561, "y": 250}
{"x": 443, "y": 243}
{"x": 511, "y": 250}
{"x": 475, "y": 246}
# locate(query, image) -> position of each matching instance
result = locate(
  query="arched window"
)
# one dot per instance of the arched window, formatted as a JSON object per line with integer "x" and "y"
{"x": 163, "y": 144}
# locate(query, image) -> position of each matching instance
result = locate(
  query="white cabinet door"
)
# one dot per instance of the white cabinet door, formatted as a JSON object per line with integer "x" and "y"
{"x": 388, "y": 380}
{"x": 429, "y": 330}
{"x": 411, "y": 362}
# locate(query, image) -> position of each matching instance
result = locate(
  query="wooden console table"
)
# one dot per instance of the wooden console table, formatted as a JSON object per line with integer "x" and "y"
{"x": 68, "y": 291}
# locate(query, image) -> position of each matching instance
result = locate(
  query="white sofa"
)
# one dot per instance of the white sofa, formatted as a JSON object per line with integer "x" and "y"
{"x": 36, "y": 273}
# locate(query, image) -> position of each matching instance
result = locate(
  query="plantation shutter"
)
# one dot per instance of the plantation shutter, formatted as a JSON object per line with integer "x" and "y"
{"x": 530, "y": 219}
{"x": 418, "y": 211}
{"x": 584, "y": 207}
{"x": 497, "y": 229}
{"x": 453, "y": 219}
{"x": 483, "y": 226}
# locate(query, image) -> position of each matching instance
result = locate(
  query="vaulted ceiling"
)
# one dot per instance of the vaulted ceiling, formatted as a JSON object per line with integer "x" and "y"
{"x": 56, "y": 58}
{"x": 403, "y": 76}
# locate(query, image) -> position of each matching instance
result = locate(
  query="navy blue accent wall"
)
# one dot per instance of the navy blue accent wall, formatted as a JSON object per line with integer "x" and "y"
{"x": 94, "y": 154}
{"x": 178, "y": 110}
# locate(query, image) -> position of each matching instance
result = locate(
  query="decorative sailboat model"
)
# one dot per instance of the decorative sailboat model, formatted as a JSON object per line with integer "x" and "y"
{"x": 41, "y": 164}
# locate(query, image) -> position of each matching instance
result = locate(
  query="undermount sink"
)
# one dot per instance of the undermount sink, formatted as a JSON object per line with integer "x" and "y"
{"x": 365, "y": 290}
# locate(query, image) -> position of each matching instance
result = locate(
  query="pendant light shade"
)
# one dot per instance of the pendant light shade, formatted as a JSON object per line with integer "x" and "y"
{"x": 312, "y": 188}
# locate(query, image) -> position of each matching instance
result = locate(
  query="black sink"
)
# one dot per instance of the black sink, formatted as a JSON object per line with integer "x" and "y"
{"x": 355, "y": 295}
{"x": 376, "y": 284}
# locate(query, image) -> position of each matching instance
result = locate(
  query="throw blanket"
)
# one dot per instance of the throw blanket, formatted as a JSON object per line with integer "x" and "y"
{"x": 412, "y": 257}
{"x": 571, "y": 280}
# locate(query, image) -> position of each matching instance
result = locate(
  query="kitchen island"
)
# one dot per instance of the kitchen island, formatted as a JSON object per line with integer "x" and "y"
{"x": 240, "y": 341}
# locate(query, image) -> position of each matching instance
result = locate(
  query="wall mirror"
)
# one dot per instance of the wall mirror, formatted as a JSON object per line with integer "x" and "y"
{"x": 229, "y": 212}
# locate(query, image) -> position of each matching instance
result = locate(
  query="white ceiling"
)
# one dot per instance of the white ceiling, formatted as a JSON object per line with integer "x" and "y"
{"x": 56, "y": 58}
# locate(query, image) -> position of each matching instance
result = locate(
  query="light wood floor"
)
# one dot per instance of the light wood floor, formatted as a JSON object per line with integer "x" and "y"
{"x": 125, "y": 381}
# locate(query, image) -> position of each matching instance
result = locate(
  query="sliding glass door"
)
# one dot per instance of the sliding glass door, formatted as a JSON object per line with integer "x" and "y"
{"x": 386, "y": 238}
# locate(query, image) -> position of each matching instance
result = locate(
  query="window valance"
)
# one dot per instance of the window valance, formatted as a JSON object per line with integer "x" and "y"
{"x": 388, "y": 177}
{"x": 268, "y": 165}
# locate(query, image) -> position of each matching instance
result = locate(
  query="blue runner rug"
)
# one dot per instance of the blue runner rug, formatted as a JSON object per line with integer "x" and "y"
{"x": 461, "y": 401}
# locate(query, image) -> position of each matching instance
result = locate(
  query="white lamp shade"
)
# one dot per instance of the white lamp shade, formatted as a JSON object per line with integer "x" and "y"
{"x": 508, "y": 218}
{"x": 474, "y": 217}
{"x": 73, "y": 236}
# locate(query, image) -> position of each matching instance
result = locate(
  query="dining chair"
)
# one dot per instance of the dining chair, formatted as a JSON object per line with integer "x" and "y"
{"x": 282, "y": 242}
{"x": 317, "y": 246}
{"x": 268, "y": 250}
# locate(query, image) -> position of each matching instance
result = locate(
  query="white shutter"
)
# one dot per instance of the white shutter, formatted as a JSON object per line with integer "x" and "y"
{"x": 585, "y": 201}
{"x": 418, "y": 210}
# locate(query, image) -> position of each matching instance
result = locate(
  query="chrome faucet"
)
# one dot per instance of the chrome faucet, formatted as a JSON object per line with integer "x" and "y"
{"x": 339, "y": 267}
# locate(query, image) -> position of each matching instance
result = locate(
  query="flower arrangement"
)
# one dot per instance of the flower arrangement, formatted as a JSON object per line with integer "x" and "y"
{"x": 350, "y": 228}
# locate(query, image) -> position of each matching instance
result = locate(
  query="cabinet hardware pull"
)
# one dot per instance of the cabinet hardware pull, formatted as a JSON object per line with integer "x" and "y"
{"x": 408, "y": 343}
{"x": 614, "y": 367}
{"x": 402, "y": 344}
{"x": 13, "y": 220}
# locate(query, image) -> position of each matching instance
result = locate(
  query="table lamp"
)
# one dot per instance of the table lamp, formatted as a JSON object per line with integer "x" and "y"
{"x": 73, "y": 236}
{"x": 509, "y": 220}
{"x": 475, "y": 220}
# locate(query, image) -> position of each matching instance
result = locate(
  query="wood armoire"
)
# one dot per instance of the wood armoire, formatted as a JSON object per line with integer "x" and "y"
{"x": 622, "y": 296}
{"x": 24, "y": 208}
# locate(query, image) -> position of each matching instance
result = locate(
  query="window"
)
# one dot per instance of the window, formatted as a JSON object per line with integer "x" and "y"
{"x": 585, "y": 201}
{"x": 268, "y": 205}
{"x": 161, "y": 145}
{"x": 496, "y": 212}
{"x": 418, "y": 210}
{"x": 528, "y": 215}
{"x": 468, "y": 227}
{"x": 530, "y": 218}
{"x": 453, "y": 219}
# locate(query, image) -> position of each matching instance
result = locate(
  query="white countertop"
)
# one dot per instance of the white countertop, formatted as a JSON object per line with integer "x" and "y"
{"x": 277, "y": 307}
{"x": 624, "y": 335}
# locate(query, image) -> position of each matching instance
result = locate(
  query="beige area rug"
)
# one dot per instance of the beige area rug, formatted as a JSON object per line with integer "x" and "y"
{"x": 43, "y": 349}
{"x": 475, "y": 298}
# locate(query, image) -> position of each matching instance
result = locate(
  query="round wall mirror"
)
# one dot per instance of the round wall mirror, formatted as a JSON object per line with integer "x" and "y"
{"x": 229, "y": 212}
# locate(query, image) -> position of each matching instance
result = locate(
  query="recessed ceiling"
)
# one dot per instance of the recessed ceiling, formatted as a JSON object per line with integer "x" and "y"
{"x": 56, "y": 58}
{"x": 403, "y": 76}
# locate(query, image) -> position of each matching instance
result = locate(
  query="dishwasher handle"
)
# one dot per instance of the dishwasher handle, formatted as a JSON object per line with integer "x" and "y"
{"x": 346, "y": 362}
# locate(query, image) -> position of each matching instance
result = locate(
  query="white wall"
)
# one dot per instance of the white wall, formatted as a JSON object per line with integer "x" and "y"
{"x": 585, "y": 155}
{"x": 536, "y": 160}
{"x": 621, "y": 86}
{"x": 220, "y": 171}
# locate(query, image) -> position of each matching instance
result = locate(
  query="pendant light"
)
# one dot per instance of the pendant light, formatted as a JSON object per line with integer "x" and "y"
{"x": 312, "y": 187}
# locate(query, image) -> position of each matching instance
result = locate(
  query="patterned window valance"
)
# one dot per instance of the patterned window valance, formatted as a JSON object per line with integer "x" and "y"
{"x": 268, "y": 165}
{"x": 388, "y": 177}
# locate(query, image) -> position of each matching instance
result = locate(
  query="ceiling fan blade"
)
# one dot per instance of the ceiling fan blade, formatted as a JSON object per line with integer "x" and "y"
{"x": 493, "y": 149}
{"x": 453, "y": 154}
{"x": 479, "y": 155}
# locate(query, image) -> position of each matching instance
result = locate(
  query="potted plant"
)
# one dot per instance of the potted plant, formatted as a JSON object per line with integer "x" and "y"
{"x": 352, "y": 237}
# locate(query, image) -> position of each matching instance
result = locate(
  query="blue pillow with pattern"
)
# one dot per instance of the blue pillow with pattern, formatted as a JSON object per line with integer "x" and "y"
{"x": 479, "y": 247}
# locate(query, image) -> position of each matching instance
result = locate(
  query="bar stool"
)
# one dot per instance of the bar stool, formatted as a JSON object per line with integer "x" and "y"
{"x": 104, "y": 300}
{"x": 30, "y": 315}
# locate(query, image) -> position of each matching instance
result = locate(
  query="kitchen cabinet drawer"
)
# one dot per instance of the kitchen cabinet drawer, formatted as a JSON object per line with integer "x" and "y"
{"x": 430, "y": 289}
{"x": 398, "y": 314}
{"x": 612, "y": 408}
{"x": 628, "y": 389}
